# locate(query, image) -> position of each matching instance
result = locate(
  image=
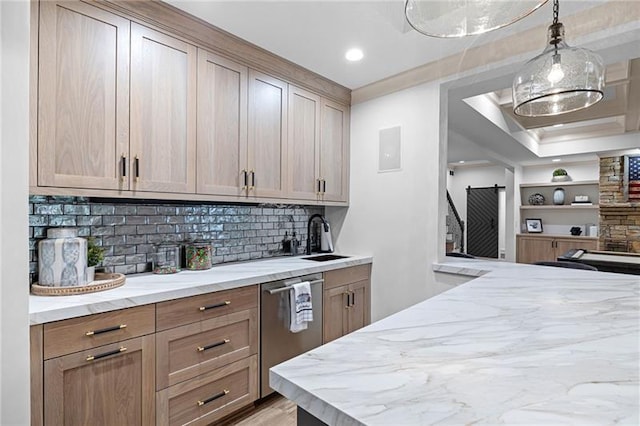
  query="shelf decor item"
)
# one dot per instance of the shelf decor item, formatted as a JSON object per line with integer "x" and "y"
{"x": 453, "y": 19}
{"x": 62, "y": 259}
{"x": 536, "y": 199}
{"x": 560, "y": 175}
{"x": 561, "y": 79}
{"x": 558, "y": 196}
{"x": 95, "y": 256}
{"x": 534, "y": 226}
{"x": 101, "y": 282}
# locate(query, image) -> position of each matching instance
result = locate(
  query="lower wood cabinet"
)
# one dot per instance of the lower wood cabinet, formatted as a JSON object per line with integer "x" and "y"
{"x": 346, "y": 301}
{"x": 210, "y": 396}
{"x": 540, "y": 248}
{"x": 107, "y": 385}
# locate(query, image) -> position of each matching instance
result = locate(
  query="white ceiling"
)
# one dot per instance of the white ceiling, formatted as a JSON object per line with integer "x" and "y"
{"x": 316, "y": 35}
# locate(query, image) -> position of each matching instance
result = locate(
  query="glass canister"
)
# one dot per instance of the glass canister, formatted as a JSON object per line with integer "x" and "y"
{"x": 166, "y": 259}
{"x": 62, "y": 259}
{"x": 198, "y": 255}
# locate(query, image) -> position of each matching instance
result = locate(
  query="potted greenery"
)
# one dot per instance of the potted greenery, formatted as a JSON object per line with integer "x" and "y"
{"x": 95, "y": 256}
{"x": 560, "y": 175}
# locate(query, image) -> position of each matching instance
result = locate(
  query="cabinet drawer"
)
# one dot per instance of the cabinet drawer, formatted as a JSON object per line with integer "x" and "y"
{"x": 198, "y": 308}
{"x": 188, "y": 351}
{"x": 207, "y": 398}
{"x": 344, "y": 276}
{"x": 76, "y": 334}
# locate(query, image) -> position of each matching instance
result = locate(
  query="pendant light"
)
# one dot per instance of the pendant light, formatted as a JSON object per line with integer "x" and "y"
{"x": 459, "y": 18}
{"x": 561, "y": 79}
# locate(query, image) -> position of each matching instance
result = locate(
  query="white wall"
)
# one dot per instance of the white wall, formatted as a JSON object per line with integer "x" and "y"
{"x": 393, "y": 216}
{"x": 14, "y": 166}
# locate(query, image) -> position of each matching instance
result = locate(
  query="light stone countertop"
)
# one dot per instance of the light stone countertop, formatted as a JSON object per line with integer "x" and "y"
{"x": 519, "y": 344}
{"x": 141, "y": 289}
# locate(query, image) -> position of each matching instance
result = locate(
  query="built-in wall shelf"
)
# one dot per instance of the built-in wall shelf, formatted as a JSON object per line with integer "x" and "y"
{"x": 560, "y": 184}
{"x": 564, "y": 206}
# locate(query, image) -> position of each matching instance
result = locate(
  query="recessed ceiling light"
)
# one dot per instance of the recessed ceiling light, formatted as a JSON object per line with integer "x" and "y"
{"x": 461, "y": 161}
{"x": 555, "y": 160}
{"x": 354, "y": 54}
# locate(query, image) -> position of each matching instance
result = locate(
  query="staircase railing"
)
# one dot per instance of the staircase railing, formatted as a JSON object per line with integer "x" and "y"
{"x": 455, "y": 225}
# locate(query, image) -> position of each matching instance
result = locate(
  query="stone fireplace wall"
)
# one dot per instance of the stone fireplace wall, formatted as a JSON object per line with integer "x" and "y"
{"x": 619, "y": 219}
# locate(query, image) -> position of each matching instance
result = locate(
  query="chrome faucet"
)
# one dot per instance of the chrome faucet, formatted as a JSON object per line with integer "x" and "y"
{"x": 324, "y": 223}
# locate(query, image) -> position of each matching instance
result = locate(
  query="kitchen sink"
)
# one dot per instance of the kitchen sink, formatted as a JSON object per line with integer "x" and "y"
{"x": 325, "y": 257}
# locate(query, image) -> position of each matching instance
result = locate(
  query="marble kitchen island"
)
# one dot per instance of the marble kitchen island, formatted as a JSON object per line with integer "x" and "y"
{"x": 519, "y": 344}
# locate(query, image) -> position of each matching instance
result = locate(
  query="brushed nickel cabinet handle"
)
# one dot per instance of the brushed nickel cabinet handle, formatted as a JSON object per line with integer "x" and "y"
{"x": 213, "y": 345}
{"x": 245, "y": 180}
{"x": 253, "y": 180}
{"x": 213, "y": 398}
{"x": 106, "y": 354}
{"x": 137, "y": 167}
{"x": 123, "y": 166}
{"x": 105, "y": 330}
{"x": 216, "y": 305}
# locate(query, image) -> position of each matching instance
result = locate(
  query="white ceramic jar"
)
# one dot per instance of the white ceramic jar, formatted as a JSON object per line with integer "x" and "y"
{"x": 62, "y": 259}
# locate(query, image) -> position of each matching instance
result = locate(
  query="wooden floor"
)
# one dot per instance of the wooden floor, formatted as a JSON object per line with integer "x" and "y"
{"x": 274, "y": 410}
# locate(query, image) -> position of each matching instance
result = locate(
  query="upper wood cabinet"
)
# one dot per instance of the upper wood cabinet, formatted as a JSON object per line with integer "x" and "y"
{"x": 163, "y": 112}
{"x": 303, "y": 171}
{"x": 334, "y": 151}
{"x": 267, "y": 136}
{"x": 83, "y": 102}
{"x": 318, "y": 148}
{"x": 222, "y": 125}
{"x": 128, "y": 110}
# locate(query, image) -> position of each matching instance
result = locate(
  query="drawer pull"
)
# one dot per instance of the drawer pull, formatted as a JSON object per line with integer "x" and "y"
{"x": 213, "y": 345}
{"x": 217, "y": 305}
{"x": 105, "y": 330}
{"x": 213, "y": 398}
{"x": 117, "y": 351}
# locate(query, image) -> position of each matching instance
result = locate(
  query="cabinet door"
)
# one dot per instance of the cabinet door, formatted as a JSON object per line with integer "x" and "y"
{"x": 334, "y": 151}
{"x": 564, "y": 245}
{"x": 303, "y": 163}
{"x": 222, "y": 125}
{"x": 531, "y": 250}
{"x": 83, "y": 101}
{"x": 334, "y": 313}
{"x": 163, "y": 112}
{"x": 359, "y": 311}
{"x": 267, "y": 135}
{"x": 116, "y": 387}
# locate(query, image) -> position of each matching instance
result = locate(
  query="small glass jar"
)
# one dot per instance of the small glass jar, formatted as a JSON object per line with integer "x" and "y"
{"x": 166, "y": 259}
{"x": 198, "y": 256}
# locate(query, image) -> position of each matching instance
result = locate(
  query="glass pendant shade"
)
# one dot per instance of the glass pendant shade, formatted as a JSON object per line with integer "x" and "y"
{"x": 561, "y": 79}
{"x": 459, "y": 18}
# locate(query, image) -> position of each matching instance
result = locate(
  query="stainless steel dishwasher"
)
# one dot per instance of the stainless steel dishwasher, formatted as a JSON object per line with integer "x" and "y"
{"x": 277, "y": 343}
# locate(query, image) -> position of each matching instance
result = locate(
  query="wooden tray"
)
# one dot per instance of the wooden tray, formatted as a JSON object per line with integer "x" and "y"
{"x": 101, "y": 282}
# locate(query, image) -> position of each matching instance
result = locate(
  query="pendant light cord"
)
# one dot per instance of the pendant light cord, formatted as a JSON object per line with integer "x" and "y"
{"x": 556, "y": 9}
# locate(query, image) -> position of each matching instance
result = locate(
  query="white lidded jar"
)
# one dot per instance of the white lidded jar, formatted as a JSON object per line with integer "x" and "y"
{"x": 62, "y": 259}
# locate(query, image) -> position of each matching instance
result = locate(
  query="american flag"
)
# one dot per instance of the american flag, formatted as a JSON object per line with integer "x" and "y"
{"x": 634, "y": 178}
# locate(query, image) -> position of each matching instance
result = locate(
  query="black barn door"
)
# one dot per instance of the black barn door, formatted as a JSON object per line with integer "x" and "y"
{"x": 482, "y": 222}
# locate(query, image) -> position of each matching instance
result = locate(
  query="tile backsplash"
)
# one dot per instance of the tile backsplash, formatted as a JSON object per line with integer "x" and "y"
{"x": 128, "y": 230}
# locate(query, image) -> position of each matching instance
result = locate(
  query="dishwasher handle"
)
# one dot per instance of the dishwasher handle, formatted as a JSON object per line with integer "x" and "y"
{"x": 287, "y": 287}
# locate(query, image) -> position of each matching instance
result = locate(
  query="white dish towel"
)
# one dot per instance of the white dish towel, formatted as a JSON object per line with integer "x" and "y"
{"x": 301, "y": 307}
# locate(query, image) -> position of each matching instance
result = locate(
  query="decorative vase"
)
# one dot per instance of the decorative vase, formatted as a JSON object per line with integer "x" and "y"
{"x": 62, "y": 259}
{"x": 558, "y": 196}
{"x": 91, "y": 273}
{"x": 536, "y": 199}
{"x": 560, "y": 178}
